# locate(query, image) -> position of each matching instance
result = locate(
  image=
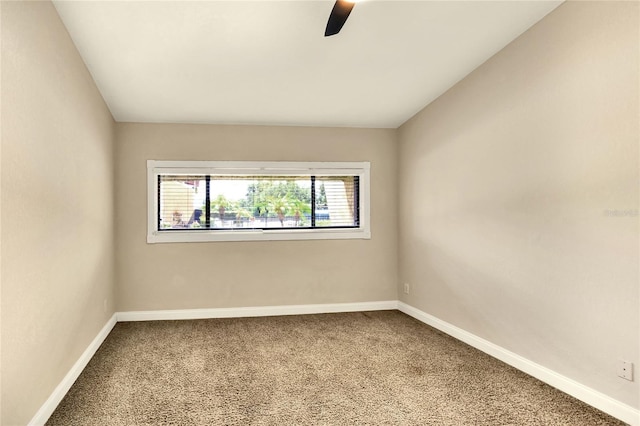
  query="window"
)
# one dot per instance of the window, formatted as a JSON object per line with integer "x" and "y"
{"x": 190, "y": 201}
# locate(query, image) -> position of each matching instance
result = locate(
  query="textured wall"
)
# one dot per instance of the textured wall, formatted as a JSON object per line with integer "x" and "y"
{"x": 57, "y": 207}
{"x": 237, "y": 274}
{"x": 519, "y": 197}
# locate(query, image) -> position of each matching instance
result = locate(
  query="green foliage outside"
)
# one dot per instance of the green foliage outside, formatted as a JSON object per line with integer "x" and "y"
{"x": 268, "y": 199}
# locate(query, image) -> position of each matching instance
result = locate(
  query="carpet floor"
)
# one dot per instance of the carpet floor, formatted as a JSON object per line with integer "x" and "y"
{"x": 366, "y": 368}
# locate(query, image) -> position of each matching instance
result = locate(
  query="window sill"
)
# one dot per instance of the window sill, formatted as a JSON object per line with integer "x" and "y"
{"x": 256, "y": 235}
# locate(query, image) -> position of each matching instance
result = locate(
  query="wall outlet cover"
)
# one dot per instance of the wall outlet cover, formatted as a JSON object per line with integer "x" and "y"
{"x": 625, "y": 369}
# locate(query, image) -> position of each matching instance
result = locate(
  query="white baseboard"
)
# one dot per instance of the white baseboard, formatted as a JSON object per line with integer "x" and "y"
{"x": 61, "y": 390}
{"x": 590, "y": 396}
{"x": 257, "y": 311}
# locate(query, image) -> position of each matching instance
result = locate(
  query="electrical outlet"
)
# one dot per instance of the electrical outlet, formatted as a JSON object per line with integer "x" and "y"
{"x": 406, "y": 288}
{"x": 625, "y": 369}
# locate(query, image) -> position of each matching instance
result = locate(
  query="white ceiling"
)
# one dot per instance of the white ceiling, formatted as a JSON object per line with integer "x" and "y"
{"x": 268, "y": 62}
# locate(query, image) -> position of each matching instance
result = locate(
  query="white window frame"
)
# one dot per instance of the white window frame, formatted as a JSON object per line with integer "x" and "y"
{"x": 282, "y": 168}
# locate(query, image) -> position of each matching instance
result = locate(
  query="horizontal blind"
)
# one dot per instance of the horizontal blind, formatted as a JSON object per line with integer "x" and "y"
{"x": 178, "y": 206}
{"x": 336, "y": 201}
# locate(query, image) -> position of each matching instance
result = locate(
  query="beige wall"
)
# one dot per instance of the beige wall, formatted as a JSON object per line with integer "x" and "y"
{"x": 57, "y": 207}
{"x": 508, "y": 183}
{"x": 239, "y": 274}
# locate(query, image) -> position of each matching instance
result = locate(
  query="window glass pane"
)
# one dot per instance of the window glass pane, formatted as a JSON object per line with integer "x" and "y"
{"x": 336, "y": 201}
{"x": 179, "y": 205}
{"x": 260, "y": 202}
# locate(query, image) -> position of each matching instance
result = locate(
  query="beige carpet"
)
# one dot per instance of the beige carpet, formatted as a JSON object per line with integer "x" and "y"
{"x": 372, "y": 368}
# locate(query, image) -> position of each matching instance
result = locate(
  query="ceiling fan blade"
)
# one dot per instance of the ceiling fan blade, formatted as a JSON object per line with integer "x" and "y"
{"x": 338, "y": 17}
